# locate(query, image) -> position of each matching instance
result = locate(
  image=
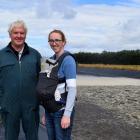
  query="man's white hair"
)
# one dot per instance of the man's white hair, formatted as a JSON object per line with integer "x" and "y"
{"x": 18, "y": 23}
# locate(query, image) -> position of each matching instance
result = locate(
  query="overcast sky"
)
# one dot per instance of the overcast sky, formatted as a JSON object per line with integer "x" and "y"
{"x": 89, "y": 25}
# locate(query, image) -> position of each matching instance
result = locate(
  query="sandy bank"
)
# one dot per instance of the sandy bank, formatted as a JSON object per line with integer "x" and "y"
{"x": 88, "y": 80}
{"x": 107, "y": 113}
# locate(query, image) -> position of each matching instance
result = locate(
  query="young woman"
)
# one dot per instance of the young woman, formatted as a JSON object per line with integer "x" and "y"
{"x": 59, "y": 123}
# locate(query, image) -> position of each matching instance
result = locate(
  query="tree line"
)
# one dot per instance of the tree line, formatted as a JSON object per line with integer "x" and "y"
{"x": 124, "y": 57}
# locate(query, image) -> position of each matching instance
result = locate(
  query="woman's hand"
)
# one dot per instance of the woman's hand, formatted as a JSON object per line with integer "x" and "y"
{"x": 65, "y": 122}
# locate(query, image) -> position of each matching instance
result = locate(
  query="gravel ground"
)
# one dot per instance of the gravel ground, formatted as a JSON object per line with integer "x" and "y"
{"x": 107, "y": 113}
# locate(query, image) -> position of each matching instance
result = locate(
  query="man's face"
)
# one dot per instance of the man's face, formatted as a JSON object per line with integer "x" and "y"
{"x": 18, "y": 36}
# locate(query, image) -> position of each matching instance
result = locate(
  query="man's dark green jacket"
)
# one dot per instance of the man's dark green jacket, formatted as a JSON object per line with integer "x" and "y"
{"x": 18, "y": 79}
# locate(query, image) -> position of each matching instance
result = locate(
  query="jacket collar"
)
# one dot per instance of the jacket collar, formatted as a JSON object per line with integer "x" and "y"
{"x": 25, "y": 51}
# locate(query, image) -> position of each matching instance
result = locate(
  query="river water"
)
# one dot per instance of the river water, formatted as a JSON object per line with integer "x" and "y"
{"x": 109, "y": 72}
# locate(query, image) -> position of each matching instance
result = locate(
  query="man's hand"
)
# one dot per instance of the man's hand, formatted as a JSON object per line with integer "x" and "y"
{"x": 43, "y": 120}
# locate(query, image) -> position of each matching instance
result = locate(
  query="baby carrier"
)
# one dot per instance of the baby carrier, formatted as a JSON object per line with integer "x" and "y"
{"x": 48, "y": 81}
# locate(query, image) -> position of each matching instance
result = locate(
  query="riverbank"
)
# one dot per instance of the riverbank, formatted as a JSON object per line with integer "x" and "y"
{"x": 107, "y": 113}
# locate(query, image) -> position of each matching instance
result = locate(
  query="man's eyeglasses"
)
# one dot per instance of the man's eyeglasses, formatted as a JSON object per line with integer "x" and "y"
{"x": 55, "y": 40}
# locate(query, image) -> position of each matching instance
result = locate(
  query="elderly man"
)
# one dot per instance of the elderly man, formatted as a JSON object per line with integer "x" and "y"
{"x": 19, "y": 69}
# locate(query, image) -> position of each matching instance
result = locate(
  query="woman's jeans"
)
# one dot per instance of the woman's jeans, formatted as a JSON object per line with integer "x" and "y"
{"x": 54, "y": 129}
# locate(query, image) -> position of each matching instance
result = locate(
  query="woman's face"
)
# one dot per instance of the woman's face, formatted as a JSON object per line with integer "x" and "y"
{"x": 56, "y": 43}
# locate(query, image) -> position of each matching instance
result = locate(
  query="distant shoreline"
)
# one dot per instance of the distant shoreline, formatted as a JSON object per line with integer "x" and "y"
{"x": 112, "y": 66}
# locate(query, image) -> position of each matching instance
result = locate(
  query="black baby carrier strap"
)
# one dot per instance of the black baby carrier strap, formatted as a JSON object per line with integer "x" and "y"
{"x": 48, "y": 81}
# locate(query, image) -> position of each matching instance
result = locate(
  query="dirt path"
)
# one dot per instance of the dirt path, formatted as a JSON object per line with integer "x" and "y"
{"x": 89, "y": 80}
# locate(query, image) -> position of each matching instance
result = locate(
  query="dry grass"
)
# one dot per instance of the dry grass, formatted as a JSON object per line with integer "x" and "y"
{"x": 120, "y": 67}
